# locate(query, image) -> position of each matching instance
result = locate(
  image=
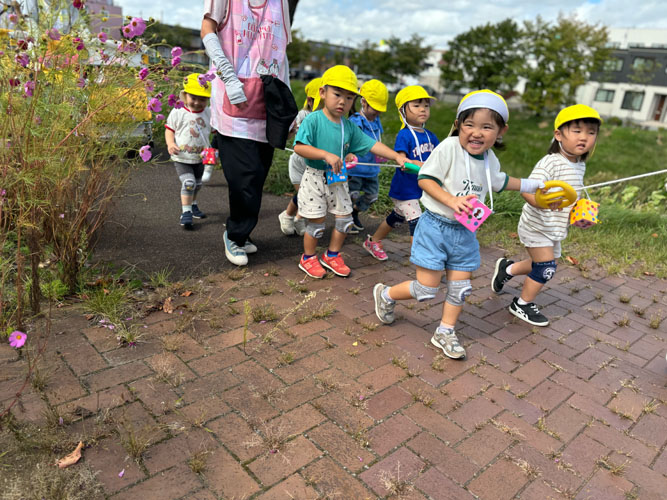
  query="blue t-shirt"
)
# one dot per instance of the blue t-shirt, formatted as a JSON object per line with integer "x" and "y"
{"x": 404, "y": 185}
{"x": 371, "y": 129}
{"x": 318, "y": 131}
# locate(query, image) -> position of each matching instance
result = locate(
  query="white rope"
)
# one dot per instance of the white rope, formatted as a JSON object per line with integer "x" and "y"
{"x": 366, "y": 164}
{"x": 616, "y": 181}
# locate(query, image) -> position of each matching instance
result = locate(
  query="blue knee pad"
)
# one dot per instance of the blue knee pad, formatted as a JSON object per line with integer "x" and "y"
{"x": 413, "y": 225}
{"x": 422, "y": 292}
{"x": 315, "y": 229}
{"x": 188, "y": 187}
{"x": 344, "y": 224}
{"x": 543, "y": 271}
{"x": 394, "y": 220}
{"x": 457, "y": 291}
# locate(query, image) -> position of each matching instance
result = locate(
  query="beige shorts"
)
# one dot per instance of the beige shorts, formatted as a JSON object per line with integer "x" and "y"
{"x": 410, "y": 209}
{"x": 317, "y": 198}
{"x": 533, "y": 239}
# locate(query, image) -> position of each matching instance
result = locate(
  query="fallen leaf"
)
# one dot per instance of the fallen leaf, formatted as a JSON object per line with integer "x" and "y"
{"x": 72, "y": 458}
{"x": 648, "y": 273}
{"x": 514, "y": 235}
{"x": 655, "y": 235}
{"x": 106, "y": 291}
{"x": 355, "y": 343}
{"x": 89, "y": 316}
{"x": 121, "y": 473}
{"x": 572, "y": 261}
{"x": 168, "y": 307}
{"x": 187, "y": 293}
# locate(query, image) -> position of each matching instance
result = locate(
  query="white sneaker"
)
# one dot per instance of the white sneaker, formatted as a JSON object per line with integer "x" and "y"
{"x": 299, "y": 225}
{"x": 208, "y": 170}
{"x": 235, "y": 254}
{"x": 286, "y": 223}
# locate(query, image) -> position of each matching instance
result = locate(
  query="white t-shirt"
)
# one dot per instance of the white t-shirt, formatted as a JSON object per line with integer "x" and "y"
{"x": 447, "y": 166}
{"x": 191, "y": 131}
{"x": 553, "y": 223}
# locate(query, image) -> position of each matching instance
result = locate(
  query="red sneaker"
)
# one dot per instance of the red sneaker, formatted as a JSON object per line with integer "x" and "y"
{"x": 336, "y": 264}
{"x": 312, "y": 267}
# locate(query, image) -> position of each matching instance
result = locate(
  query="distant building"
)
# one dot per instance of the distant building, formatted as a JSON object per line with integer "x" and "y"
{"x": 633, "y": 85}
{"x": 105, "y": 17}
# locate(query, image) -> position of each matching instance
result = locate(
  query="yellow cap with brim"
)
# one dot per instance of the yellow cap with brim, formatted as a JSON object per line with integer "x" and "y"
{"x": 192, "y": 86}
{"x": 313, "y": 91}
{"x": 575, "y": 112}
{"x": 410, "y": 93}
{"x": 342, "y": 77}
{"x": 484, "y": 99}
{"x": 376, "y": 95}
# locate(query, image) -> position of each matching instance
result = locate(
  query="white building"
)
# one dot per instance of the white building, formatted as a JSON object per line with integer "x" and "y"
{"x": 633, "y": 85}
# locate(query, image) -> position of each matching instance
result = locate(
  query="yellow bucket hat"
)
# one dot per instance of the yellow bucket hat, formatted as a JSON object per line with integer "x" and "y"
{"x": 192, "y": 86}
{"x": 342, "y": 77}
{"x": 376, "y": 95}
{"x": 410, "y": 93}
{"x": 484, "y": 99}
{"x": 313, "y": 91}
{"x": 576, "y": 112}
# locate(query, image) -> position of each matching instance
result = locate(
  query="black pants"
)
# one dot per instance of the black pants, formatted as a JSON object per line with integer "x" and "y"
{"x": 246, "y": 164}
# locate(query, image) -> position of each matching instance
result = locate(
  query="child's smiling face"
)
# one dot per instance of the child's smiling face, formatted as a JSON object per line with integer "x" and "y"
{"x": 479, "y": 131}
{"x": 337, "y": 101}
{"x": 195, "y": 103}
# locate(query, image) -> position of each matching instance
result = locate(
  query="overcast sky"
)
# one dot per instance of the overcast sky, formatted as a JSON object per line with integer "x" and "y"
{"x": 352, "y": 21}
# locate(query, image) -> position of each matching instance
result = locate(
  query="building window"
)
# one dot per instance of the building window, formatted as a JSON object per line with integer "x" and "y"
{"x": 604, "y": 95}
{"x": 633, "y": 100}
{"x": 643, "y": 63}
{"x": 613, "y": 64}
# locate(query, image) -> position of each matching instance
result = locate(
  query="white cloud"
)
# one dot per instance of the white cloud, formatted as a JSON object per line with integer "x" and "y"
{"x": 352, "y": 21}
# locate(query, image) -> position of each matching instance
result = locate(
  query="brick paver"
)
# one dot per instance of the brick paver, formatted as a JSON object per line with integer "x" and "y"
{"x": 326, "y": 402}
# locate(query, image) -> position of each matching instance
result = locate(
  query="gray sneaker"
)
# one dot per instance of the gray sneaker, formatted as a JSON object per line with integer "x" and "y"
{"x": 235, "y": 254}
{"x": 383, "y": 308}
{"x": 449, "y": 343}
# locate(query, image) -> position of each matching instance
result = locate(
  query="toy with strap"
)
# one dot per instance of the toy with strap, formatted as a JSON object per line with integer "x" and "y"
{"x": 566, "y": 194}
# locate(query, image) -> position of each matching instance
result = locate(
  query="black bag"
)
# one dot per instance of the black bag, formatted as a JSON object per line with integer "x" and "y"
{"x": 281, "y": 110}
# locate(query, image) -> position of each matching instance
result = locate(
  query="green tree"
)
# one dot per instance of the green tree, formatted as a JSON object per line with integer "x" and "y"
{"x": 401, "y": 58}
{"x": 166, "y": 34}
{"x": 484, "y": 57}
{"x": 368, "y": 58}
{"x": 559, "y": 59}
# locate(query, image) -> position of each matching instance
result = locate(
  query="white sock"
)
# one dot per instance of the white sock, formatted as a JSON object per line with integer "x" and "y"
{"x": 385, "y": 296}
{"x": 508, "y": 269}
{"x": 186, "y": 208}
{"x": 445, "y": 328}
{"x": 521, "y": 302}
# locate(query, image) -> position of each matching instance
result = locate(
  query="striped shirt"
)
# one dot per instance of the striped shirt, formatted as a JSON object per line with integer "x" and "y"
{"x": 553, "y": 223}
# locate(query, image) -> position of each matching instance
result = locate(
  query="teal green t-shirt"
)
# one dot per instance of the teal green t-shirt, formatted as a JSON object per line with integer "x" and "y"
{"x": 320, "y": 132}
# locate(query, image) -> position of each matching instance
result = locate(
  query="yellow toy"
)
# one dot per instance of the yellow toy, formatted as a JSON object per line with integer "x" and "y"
{"x": 584, "y": 213}
{"x": 566, "y": 194}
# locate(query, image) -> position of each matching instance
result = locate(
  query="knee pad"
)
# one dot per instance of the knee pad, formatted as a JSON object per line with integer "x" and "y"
{"x": 394, "y": 220}
{"x": 315, "y": 229}
{"x": 188, "y": 186}
{"x": 413, "y": 225}
{"x": 344, "y": 224}
{"x": 543, "y": 271}
{"x": 422, "y": 292}
{"x": 457, "y": 291}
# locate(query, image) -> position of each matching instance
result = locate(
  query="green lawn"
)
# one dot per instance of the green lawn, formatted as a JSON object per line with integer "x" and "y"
{"x": 632, "y": 237}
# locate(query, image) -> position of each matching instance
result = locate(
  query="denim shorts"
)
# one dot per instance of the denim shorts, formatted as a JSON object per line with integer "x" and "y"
{"x": 370, "y": 187}
{"x": 440, "y": 243}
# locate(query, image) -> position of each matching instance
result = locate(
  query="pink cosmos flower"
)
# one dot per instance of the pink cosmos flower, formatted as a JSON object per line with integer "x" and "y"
{"x": 127, "y": 31}
{"x": 53, "y": 34}
{"x": 143, "y": 73}
{"x": 176, "y": 51}
{"x": 145, "y": 152}
{"x": 171, "y": 100}
{"x": 81, "y": 83}
{"x": 13, "y": 18}
{"x": 102, "y": 36}
{"x": 159, "y": 117}
{"x": 202, "y": 80}
{"x": 29, "y": 88}
{"x": 78, "y": 4}
{"x": 175, "y": 61}
{"x": 179, "y": 104}
{"x": 22, "y": 44}
{"x": 22, "y": 59}
{"x": 14, "y": 82}
{"x": 154, "y": 105}
{"x": 17, "y": 339}
{"x": 138, "y": 26}
{"x": 78, "y": 43}
{"x": 149, "y": 85}
{"x": 209, "y": 75}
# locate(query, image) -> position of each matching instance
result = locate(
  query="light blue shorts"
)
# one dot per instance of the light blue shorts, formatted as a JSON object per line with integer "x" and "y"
{"x": 440, "y": 243}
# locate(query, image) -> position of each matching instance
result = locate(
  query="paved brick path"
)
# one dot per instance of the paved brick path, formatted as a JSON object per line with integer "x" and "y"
{"x": 333, "y": 405}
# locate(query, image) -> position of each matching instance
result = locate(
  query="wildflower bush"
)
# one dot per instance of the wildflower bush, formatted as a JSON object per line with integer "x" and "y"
{"x": 75, "y": 105}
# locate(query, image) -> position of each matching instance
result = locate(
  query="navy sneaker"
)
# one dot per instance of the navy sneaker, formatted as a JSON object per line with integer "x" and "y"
{"x": 357, "y": 226}
{"x": 529, "y": 313}
{"x": 196, "y": 213}
{"x": 500, "y": 276}
{"x": 186, "y": 220}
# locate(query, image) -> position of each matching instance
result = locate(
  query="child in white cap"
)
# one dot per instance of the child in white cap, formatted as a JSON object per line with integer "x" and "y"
{"x": 290, "y": 221}
{"x": 414, "y": 143}
{"x": 463, "y": 167}
{"x": 186, "y": 134}
{"x": 364, "y": 178}
{"x": 325, "y": 139}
